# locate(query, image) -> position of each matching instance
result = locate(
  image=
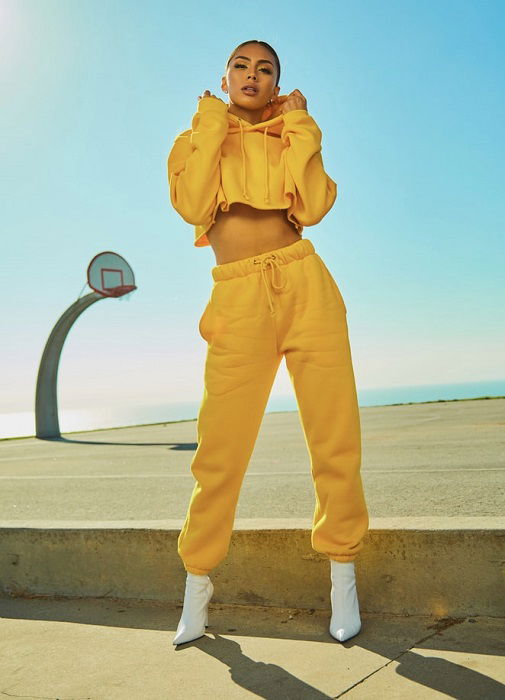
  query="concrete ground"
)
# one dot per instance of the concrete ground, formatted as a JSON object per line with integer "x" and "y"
{"x": 116, "y": 649}
{"x": 428, "y": 459}
{"x": 442, "y": 459}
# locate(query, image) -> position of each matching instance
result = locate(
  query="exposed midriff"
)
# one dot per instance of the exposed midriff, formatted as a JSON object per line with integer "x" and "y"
{"x": 244, "y": 231}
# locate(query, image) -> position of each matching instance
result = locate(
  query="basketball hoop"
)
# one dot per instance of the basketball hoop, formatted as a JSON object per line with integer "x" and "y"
{"x": 110, "y": 275}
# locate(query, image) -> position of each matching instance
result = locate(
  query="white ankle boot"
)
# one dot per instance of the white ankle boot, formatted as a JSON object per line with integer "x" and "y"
{"x": 345, "y": 620}
{"x": 195, "y": 615}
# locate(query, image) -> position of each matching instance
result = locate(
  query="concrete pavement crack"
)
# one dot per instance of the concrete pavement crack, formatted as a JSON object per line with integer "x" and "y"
{"x": 439, "y": 626}
{"x": 40, "y": 697}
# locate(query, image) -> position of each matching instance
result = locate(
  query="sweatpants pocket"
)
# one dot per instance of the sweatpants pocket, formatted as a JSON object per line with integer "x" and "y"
{"x": 204, "y": 323}
{"x": 334, "y": 286}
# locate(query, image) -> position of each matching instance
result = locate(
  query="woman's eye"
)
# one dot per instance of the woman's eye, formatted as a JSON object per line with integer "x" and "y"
{"x": 242, "y": 65}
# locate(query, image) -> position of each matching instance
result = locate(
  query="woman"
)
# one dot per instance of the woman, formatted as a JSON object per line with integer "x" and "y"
{"x": 249, "y": 176}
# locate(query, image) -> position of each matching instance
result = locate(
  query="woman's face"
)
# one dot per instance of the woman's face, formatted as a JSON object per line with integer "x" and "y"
{"x": 252, "y": 64}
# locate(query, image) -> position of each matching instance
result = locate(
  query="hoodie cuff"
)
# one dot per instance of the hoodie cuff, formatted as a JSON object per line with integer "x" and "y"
{"x": 214, "y": 104}
{"x": 295, "y": 113}
{"x": 301, "y": 122}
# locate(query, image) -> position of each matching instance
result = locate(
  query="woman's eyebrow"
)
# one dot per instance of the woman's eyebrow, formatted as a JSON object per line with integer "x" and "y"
{"x": 261, "y": 60}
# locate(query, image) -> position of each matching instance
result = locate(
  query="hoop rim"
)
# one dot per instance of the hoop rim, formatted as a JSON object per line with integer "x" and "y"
{"x": 118, "y": 291}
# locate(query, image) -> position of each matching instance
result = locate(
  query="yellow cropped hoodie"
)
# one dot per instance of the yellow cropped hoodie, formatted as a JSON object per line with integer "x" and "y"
{"x": 274, "y": 164}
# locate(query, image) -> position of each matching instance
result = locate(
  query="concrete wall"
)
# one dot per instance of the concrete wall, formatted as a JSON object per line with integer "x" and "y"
{"x": 419, "y": 566}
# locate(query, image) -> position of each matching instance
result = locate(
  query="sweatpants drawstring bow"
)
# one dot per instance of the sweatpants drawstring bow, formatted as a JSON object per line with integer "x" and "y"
{"x": 270, "y": 260}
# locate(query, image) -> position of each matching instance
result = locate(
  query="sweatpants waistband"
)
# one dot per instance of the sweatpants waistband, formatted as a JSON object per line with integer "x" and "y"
{"x": 256, "y": 263}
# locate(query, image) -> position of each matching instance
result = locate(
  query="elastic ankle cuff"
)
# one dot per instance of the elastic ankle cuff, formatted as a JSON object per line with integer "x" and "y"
{"x": 198, "y": 572}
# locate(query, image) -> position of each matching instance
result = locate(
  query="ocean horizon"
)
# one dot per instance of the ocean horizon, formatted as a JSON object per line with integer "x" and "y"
{"x": 22, "y": 423}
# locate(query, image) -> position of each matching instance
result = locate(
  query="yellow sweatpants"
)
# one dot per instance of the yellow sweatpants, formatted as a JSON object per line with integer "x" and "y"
{"x": 281, "y": 303}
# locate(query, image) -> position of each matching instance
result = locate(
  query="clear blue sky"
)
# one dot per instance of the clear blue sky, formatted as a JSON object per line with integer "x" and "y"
{"x": 409, "y": 96}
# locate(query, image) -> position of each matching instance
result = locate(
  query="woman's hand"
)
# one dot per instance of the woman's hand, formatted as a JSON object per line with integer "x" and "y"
{"x": 295, "y": 100}
{"x": 207, "y": 93}
{"x": 284, "y": 103}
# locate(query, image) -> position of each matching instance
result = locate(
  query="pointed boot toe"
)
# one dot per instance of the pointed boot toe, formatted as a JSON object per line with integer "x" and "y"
{"x": 195, "y": 615}
{"x": 345, "y": 618}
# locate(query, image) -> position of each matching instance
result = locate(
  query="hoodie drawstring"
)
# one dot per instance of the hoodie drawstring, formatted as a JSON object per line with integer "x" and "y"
{"x": 264, "y": 262}
{"x": 265, "y": 153}
{"x": 244, "y": 192}
{"x": 267, "y": 192}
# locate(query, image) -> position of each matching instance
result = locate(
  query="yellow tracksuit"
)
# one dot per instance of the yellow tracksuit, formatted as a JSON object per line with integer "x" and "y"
{"x": 282, "y": 303}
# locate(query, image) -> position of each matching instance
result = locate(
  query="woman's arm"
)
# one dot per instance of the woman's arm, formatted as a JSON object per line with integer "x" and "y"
{"x": 193, "y": 162}
{"x": 314, "y": 191}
